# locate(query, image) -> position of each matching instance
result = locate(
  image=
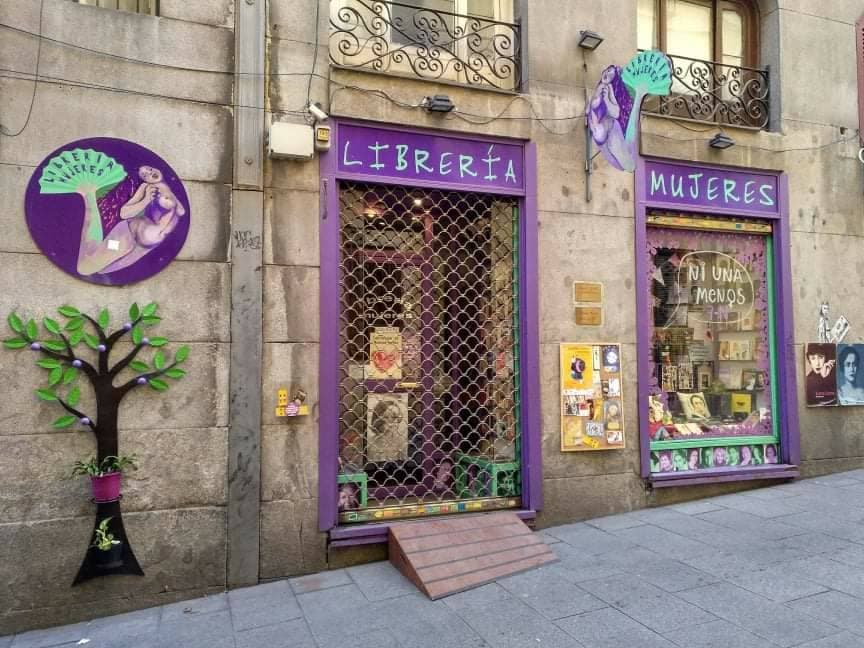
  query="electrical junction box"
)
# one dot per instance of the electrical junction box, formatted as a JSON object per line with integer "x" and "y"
{"x": 322, "y": 137}
{"x": 291, "y": 141}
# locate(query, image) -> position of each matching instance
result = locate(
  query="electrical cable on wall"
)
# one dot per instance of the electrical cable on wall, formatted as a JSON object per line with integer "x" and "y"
{"x": 467, "y": 117}
{"x": 3, "y": 130}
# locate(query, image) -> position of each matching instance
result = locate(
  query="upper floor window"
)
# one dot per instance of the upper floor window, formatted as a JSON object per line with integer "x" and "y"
{"x": 471, "y": 42}
{"x": 724, "y": 31}
{"x": 150, "y": 7}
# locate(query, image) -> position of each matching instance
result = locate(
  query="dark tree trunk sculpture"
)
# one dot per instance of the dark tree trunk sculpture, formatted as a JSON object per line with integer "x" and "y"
{"x": 64, "y": 364}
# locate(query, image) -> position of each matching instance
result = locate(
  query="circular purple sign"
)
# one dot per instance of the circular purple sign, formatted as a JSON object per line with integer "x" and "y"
{"x": 107, "y": 211}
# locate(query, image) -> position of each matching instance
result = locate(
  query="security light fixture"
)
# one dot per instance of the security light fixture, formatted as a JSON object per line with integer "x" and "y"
{"x": 589, "y": 40}
{"x": 721, "y": 141}
{"x": 438, "y": 103}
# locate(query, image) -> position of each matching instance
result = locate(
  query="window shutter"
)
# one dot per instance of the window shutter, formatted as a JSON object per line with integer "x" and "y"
{"x": 859, "y": 50}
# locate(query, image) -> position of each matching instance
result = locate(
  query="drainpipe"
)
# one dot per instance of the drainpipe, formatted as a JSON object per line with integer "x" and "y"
{"x": 246, "y": 253}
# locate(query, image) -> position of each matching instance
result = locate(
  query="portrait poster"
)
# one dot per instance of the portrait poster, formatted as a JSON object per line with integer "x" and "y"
{"x": 820, "y": 376}
{"x": 108, "y": 211}
{"x": 592, "y": 414}
{"x": 385, "y": 354}
{"x": 386, "y": 427}
{"x": 577, "y": 367}
{"x": 850, "y": 381}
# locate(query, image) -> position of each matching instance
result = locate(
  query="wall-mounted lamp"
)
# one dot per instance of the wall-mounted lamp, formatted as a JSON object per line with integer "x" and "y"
{"x": 589, "y": 40}
{"x": 438, "y": 103}
{"x": 721, "y": 141}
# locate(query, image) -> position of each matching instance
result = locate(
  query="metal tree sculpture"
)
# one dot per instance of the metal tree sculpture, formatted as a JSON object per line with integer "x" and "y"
{"x": 64, "y": 365}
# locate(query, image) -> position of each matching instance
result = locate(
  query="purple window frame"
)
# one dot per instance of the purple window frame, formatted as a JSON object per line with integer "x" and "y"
{"x": 329, "y": 217}
{"x": 790, "y": 442}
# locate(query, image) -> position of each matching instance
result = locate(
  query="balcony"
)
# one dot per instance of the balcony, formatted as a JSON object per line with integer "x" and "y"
{"x": 428, "y": 43}
{"x": 706, "y": 91}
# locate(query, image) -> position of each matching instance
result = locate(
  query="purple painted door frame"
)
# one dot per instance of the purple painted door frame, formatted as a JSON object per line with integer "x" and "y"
{"x": 333, "y": 169}
{"x": 720, "y": 201}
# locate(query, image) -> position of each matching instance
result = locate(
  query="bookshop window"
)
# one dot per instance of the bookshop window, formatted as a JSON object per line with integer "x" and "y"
{"x": 712, "y": 403}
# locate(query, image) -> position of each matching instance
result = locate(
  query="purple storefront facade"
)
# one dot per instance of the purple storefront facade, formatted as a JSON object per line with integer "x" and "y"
{"x": 733, "y": 199}
{"x": 387, "y": 161}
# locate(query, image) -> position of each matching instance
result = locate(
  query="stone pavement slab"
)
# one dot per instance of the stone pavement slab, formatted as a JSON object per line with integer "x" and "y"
{"x": 777, "y": 567}
{"x": 716, "y": 634}
{"x": 772, "y": 621}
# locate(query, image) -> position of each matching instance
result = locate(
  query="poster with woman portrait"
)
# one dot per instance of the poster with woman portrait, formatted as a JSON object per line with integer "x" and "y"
{"x": 850, "y": 377}
{"x": 107, "y": 211}
{"x": 386, "y": 427}
{"x": 820, "y": 378}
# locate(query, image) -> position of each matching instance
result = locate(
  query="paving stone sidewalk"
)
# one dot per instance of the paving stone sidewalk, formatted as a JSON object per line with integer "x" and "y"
{"x": 780, "y": 566}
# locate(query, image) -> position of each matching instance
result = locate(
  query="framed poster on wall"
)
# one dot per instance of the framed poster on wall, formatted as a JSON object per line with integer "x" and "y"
{"x": 592, "y": 414}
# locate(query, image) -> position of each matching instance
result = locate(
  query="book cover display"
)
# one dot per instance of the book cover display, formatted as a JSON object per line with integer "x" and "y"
{"x": 592, "y": 414}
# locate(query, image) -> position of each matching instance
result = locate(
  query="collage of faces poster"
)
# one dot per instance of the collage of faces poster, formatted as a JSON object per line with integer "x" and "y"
{"x": 732, "y": 456}
{"x": 832, "y": 374}
{"x": 592, "y": 414}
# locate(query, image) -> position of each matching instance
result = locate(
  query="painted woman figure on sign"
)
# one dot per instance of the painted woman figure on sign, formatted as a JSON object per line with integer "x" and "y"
{"x": 146, "y": 219}
{"x": 605, "y": 118}
{"x": 107, "y": 211}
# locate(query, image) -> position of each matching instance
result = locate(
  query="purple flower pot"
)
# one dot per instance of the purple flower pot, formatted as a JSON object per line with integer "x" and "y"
{"x": 107, "y": 487}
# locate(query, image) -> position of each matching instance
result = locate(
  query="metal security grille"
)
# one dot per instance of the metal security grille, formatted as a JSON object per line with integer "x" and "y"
{"x": 429, "y": 380}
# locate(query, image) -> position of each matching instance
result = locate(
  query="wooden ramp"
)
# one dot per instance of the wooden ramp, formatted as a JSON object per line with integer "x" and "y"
{"x": 446, "y": 556}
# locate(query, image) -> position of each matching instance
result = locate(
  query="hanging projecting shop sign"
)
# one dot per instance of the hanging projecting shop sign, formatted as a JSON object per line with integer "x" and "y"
{"x": 613, "y": 113}
{"x": 107, "y": 211}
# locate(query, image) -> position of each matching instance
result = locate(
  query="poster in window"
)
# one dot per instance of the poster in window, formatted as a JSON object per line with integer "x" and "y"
{"x": 386, "y": 427}
{"x": 385, "y": 354}
{"x": 592, "y": 416}
{"x": 820, "y": 381}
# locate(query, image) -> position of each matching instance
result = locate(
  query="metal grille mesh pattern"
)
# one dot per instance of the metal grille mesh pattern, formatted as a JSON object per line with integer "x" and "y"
{"x": 428, "y": 347}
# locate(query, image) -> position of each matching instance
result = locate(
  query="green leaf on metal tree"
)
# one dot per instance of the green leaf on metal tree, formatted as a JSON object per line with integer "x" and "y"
{"x": 32, "y": 330}
{"x": 51, "y": 326}
{"x": 46, "y": 394}
{"x": 74, "y": 324}
{"x": 159, "y": 360}
{"x": 175, "y": 373}
{"x": 158, "y": 385}
{"x": 150, "y": 321}
{"x": 48, "y": 363}
{"x": 68, "y": 311}
{"x": 54, "y": 345}
{"x": 158, "y": 341}
{"x": 91, "y": 340}
{"x": 15, "y": 323}
{"x": 15, "y": 343}
{"x": 137, "y": 335}
{"x": 182, "y": 354}
{"x": 137, "y": 365}
{"x": 149, "y": 309}
{"x": 70, "y": 375}
{"x": 134, "y": 312}
{"x": 64, "y": 421}
{"x": 55, "y": 376}
{"x": 104, "y": 318}
{"x": 75, "y": 337}
{"x": 74, "y": 396}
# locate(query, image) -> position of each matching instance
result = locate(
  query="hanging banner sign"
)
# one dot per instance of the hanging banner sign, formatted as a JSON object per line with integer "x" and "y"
{"x": 613, "y": 113}
{"x": 404, "y": 155}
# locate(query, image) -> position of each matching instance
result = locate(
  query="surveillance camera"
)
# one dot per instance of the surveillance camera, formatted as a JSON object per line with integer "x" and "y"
{"x": 317, "y": 113}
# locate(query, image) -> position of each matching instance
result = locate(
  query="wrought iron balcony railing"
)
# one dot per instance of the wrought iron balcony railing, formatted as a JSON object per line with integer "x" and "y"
{"x": 715, "y": 92}
{"x": 420, "y": 42}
